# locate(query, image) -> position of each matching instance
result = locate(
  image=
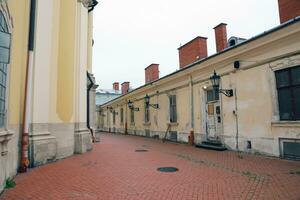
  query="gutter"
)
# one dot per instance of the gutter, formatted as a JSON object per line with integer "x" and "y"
{"x": 90, "y": 86}
{"x": 28, "y": 91}
{"x": 281, "y": 26}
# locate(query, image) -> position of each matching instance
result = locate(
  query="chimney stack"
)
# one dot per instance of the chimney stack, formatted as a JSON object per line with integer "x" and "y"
{"x": 151, "y": 73}
{"x": 192, "y": 51}
{"x": 116, "y": 86}
{"x": 221, "y": 37}
{"x": 288, "y": 9}
{"x": 125, "y": 87}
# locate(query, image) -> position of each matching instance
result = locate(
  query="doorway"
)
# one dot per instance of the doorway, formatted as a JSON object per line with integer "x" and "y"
{"x": 213, "y": 116}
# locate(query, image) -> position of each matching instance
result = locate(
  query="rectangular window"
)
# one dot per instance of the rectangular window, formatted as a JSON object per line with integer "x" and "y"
{"x": 3, "y": 75}
{"x": 147, "y": 114}
{"x": 212, "y": 95}
{"x": 132, "y": 116}
{"x": 122, "y": 115}
{"x": 288, "y": 88}
{"x": 173, "y": 112}
{"x": 114, "y": 117}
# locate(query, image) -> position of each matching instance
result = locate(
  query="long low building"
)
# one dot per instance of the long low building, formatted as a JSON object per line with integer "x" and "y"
{"x": 246, "y": 97}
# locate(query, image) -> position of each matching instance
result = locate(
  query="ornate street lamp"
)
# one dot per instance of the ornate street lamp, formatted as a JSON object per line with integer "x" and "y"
{"x": 131, "y": 106}
{"x": 110, "y": 108}
{"x": 147, "y": 103}
{"x": 215, "y": 80}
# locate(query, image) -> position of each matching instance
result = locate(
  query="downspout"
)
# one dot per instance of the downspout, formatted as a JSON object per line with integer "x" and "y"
{"x": 236, "y": 121}
{"x": 90, "y": 86}
{"x": 126, "y": 132}
{"x": 28, "y": 91}
{"x": 191, "y": 136}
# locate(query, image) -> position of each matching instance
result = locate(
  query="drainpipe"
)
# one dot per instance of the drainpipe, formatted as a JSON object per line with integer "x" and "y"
{"x": 126, "y": 132}
{"x": 191, "y": 136}
{"x": 28, "y": 91}
{"x": 90, "y": 86}
{"x": 236, "y": 122}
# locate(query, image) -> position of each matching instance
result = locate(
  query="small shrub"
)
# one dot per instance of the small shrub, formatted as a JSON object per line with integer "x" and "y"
{"x": 10, "y": 183}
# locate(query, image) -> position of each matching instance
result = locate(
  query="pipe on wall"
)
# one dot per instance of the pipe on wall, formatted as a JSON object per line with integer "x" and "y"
{"x": 28, "y": 90}
{"x": 191, "y": 95}
{"x": 89, "y": 87}
{"x": 236, "y": 121}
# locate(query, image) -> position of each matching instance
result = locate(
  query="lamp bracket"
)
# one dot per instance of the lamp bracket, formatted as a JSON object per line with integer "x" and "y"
{"x": 226, "y": 92}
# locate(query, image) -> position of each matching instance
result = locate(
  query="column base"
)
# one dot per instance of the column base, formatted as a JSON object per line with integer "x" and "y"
{"x": 42, "y": 149}
{"x": 83, "y": 142}
{"x": 97, "y": 135}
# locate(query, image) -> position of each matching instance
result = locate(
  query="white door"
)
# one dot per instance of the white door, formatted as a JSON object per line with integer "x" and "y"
{"x": 213, "y": 116}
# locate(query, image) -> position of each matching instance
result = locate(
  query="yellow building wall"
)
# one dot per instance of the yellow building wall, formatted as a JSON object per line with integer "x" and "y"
{"x": 66, "y": 60}
{"x": 19, "y": 11}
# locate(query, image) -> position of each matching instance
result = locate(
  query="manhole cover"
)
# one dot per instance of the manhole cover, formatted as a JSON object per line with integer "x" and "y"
{"x": 141, "y": 150}
{"x": 167, "y": 169}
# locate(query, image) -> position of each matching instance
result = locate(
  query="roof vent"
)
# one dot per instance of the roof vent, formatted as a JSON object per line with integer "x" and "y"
{"x": 234, "y": 41}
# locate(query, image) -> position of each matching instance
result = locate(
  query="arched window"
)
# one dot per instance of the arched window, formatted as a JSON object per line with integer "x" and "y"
{"x": 4, "y": 61}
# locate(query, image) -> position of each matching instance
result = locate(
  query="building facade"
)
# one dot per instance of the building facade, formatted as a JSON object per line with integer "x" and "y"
{"x": 255, "y": 107}
{"x": 45, "y": 62}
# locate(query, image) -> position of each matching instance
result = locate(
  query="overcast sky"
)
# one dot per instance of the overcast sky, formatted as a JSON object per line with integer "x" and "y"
{"x": 131, "y": 34}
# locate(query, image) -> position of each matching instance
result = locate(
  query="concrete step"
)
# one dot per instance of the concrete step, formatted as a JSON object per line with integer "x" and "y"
{"x": 212, "y": 145}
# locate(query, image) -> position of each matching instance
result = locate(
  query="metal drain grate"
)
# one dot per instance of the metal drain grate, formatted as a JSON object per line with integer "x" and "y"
{"x": 167, "y": 169}
{"x": 141, "y": 150}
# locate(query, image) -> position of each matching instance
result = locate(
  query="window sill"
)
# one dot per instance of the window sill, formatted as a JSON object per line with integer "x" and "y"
{"x": 147, "y": 124}
{"x": 286, "y": 123}
{"x": 5, "y": 136}
{"x": 173, "y": 124}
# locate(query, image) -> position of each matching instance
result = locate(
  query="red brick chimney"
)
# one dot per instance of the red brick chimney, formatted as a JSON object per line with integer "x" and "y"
{"x": 288, "y": 9}
{"x": 192, "y": 51}
{"x": 116, "y": 86}
{"x": 221, "y": 37}
{"x": 125, "y": 87}
{"x": 151, "y": 73}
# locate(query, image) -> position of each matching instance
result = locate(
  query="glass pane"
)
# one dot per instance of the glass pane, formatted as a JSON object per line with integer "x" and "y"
{"x": 297, "y": 103}
{"x": 282, "y": 78}
{"x": 296, "y": 75}
{"x": 4, "y": 55}
{"x": 1, "y": 121}
{"x": 1, "y": 106}
{"x": 285, "y": 104}
{"x": 3, "y": 93}
{"x": 4, "y": 40}
{"x": 210, "y": 95}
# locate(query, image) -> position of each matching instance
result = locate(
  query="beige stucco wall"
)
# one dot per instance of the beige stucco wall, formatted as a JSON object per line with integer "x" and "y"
{"x": 257, "y": 107}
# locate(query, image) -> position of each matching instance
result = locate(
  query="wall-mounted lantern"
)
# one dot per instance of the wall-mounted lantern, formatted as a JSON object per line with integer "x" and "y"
{"x": 110, "y": 108}
{"x": 131, "y": 106}
{"x": 215, "y": 80}
{"x": 147, "y": 103}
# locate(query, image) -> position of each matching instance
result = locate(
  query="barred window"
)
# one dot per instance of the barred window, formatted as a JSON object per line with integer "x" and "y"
{"x": 147, "y": 114}
{"x": 114, "y": 117}
{"x": 288, "y": 88}
{"x": 4, "y": 60}
{"x": 132, "y": 116}
{"x": 121, "y": 115}
{"x": 173, "y": 112}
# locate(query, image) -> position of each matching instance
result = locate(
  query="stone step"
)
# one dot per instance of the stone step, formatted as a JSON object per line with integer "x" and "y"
{"x": 212, "y": 146}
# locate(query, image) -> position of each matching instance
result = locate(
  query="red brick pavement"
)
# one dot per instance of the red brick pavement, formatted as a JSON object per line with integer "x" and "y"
{"x": 113, "y": 170}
